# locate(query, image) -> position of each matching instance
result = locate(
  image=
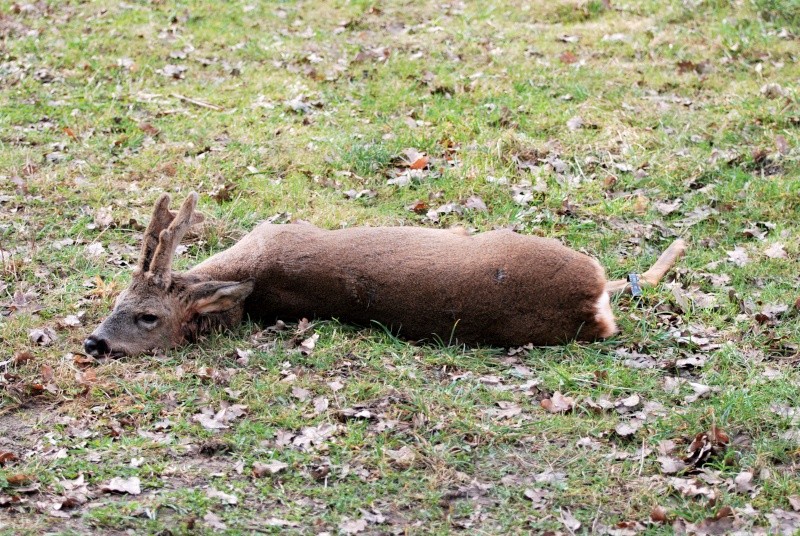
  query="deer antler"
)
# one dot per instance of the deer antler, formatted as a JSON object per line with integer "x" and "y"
{"x": 162, "y": 217}
{"x": 168, "y": 239}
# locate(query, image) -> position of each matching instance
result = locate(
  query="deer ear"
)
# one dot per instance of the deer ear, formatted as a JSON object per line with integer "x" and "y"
{"x": 217, "y": 296}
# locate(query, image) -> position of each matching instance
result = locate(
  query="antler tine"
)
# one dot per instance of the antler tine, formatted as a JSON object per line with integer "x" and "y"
{"x": 162, "y": 217}
{"x": 169, "y": 239}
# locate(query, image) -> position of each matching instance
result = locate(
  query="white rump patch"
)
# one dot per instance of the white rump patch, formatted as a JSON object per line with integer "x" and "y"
{"x": 605, "y": 316}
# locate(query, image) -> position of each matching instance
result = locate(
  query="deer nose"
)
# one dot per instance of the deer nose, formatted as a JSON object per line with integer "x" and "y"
{"x": 95, "y": 346}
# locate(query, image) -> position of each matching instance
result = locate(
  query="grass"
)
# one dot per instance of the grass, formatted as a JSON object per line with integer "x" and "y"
{"x": 301, "y": 102}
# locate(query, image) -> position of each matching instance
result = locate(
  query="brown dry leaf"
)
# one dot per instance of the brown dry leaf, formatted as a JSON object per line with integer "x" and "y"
{"x": 670, "y": 465}
{"x": 744, "y": 483}
{"x": 219, "y": 420}
{"x": 506, "y": 410}
{"x": 575, "y": 123}
{"x": 659, "y": 515}
{"x": 413, "y": 159}
{"x": 71, "y": 133}
{"x": 782, "y": 144}
{"x": 794, "y": 501}
{"x": 320, "y": 404}
{"x": 568, "y": 57}
{"x": 706, "y": 445}
{"x": 474, "y": 202}
{"x": 70, "y": 321}
{"x": 558, "y": 403}
{"x": 626, "y": 429}
{"x": 640, "y": 205}
{"x": 214, "y": 521}
{"x": 784, "y": 522}
{"x": 570, "y": 521}
{"x": 149, "y": 129}
{"x": 403, "y": 457}
{"x": 738, "y": 256}
{"x": 87, "y": 377}
{"x": 301, "y": 394}
{"x": 307, "y": 346}
{"x": 42, "y": 336}
{"x": 420, "y": 207}
{"x": 721, "y": 523}
{"x": 20, "y": 479}
{"x": 22, "y": 357}
{"x": 776, "y": 251}
{"x": 226, "y": 498}
{"x": 103, "y": 217}
{"x": 6, "y": 457}
{"x": 665, "y": 209}
{"x": 538, "y": 497}
{"x": 690, "y": 487}
{"x": 273, "y": 467}
{"x": 48, "y": 374}
{"x": 352, "y": 526}
{"x": 130, "y": 486}
{"x": 313, "y": 436}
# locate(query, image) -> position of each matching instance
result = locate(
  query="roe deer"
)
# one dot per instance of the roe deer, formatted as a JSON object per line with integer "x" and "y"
{"x": 498, "y": 287}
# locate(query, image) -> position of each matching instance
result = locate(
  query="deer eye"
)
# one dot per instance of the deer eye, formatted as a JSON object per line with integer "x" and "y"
{"x": 148, "y": 319}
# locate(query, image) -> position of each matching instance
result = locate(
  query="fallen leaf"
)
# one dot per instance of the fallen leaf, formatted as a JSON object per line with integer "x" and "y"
{"x": 42, "y": 336}
{"x": 273, "y": 467}
{"x": 568, "y": 57}
{"x": 570, "y": 521}
{"x": 706, "y": 445}
{"x": 219, "y": 420}
{"x": 348, "y": 526}
{"x": 226, "y": 498}
{"x": 320, "y": 404}
{"x": 628, "y": 428}
{"x": 691, "y": 487}
{"x": 558, "y": 403}
{"x": 782, "y": 144}
{"x": 670, "y": 465}
{"x": 575, "y": 123}
{"x": 738, "y": 256}
{"x": 721, "y": 523}
{"x": 506, "y": 410}
{"x": 659, "y": 515}
{"x": 538, "y": 497}
{"x": 6, "y": 457}
{"x": 744, "y": 483}
{"x": 130, "y": 486}
{"x": 301, "y": 394}
{"x": 420, "y": 207}
{"x": 214, "y": 521}
{"x": 475, "y": 203}
{"x": 307, "y": 346}
{"x": 665, "y": 209}
{"x": 403, "y": 457}
{"x": 776, "y": 251}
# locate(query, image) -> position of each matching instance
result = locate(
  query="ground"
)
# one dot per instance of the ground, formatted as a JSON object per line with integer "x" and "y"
{"x": 612, "y": 126}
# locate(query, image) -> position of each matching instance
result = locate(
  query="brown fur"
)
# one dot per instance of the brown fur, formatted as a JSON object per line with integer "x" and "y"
{"x": 497, "y": 288}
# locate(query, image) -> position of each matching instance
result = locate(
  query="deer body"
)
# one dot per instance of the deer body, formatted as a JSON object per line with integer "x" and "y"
{"x": 497, "y": 288}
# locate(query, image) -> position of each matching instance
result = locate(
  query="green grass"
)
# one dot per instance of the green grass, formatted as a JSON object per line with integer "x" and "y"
{"x": 310, "y": 100}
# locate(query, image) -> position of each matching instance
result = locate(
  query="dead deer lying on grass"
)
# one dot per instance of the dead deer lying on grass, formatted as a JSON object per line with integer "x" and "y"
{"x": 498, "y": 288}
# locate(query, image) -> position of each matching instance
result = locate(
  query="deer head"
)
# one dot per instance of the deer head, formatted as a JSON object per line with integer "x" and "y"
{"x": 161, "y": 309}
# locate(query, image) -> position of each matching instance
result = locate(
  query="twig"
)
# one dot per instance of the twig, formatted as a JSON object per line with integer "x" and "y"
{"x": 196, "y": 102}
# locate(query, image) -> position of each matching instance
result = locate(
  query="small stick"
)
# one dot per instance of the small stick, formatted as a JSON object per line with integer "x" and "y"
{"x": 196, "y": 102}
